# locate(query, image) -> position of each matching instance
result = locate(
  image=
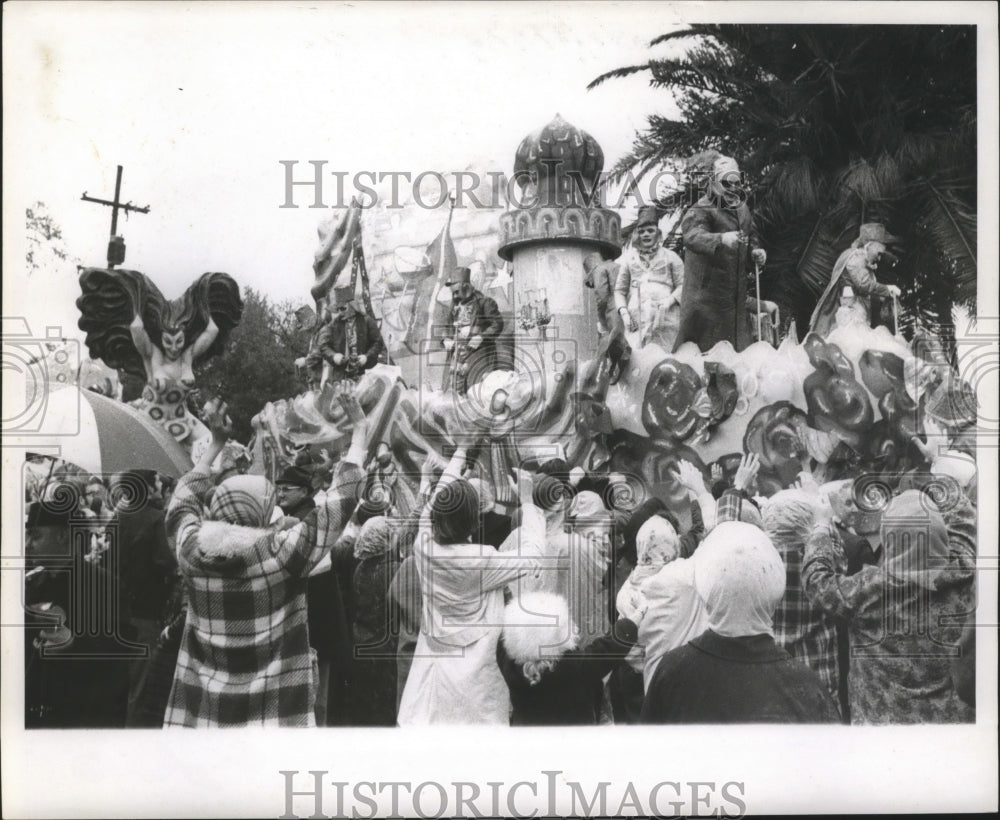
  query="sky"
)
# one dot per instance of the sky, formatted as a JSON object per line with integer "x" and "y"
{"x": 200, "y": 105}
{"x": 201, "y": 102}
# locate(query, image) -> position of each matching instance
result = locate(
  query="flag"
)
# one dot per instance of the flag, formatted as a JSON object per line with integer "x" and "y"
{"x": 427, "y": 315}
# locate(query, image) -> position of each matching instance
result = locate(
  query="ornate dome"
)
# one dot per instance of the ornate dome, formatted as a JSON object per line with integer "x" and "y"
{"x": 554, "y": 157}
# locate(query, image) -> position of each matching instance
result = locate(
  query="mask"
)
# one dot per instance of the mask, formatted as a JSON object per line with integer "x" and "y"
{"x": 173, "y": 344}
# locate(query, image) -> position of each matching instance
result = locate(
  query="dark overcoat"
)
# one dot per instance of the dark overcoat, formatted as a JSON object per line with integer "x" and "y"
{"x": 713, "y": 304}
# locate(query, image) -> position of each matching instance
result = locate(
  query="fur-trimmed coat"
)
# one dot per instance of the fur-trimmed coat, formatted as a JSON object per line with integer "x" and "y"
{"x": 570, "y": 693}
{"x": 245, "y": 657}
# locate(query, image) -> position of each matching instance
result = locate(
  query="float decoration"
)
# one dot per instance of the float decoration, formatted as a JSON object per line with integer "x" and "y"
{"x": 131, "y": 326}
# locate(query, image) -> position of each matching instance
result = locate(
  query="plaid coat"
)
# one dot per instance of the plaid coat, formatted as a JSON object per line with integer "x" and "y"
{"x": 804, "y": 630}
{"x": 245, "y": 656}
{"x": 903, "y": 638}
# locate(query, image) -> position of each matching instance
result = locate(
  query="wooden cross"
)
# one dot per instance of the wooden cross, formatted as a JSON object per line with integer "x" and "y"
{"x": 116, "y": 245}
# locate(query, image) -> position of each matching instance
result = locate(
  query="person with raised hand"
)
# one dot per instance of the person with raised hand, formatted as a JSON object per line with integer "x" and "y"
{"x": 245, "y": 657}
{"x": 454, "y": 678}
{"x": 738, "y": 503}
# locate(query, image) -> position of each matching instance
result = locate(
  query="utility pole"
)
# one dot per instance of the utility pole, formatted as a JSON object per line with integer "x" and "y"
{"x": 116, "y": 244}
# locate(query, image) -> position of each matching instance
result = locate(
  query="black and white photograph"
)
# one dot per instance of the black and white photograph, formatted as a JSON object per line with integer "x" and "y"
{"x": 499, "y": 409}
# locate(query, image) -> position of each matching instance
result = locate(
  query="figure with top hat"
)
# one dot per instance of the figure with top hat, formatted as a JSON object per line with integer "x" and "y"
{"x": 649, "y": 285}
{"x": 472, "y": 336}
{"x": 854, "y": 271}
{"x": 348, "y": 344}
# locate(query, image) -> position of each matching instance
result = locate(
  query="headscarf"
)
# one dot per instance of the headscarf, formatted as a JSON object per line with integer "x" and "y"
{"x": 640, "y": 515}
{"x": 657, "y": 544}
{"x": 374, "y": 538}
{"x": 914, "y": 539}
{"x": 789, "y": 516}
{"x": 245, "y": 500}
{"x": 588, "y": 505}
{"x": 740, "y": 578}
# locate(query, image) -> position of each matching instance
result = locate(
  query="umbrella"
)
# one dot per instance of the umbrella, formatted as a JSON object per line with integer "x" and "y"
{"x": 104, "y": 436}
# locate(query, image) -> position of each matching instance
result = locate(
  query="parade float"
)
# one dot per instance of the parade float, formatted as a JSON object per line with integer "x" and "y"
{"x": 852, "y": 403}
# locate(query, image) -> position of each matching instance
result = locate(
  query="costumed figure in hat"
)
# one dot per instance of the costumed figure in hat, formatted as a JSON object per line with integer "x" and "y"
{"x": 472, "y": 336}
{"x": 855, "y": 269}
{"x": 649, "y": 286}
{"x": 720, "y": 251}
{"x": 349, "y": 343}
{"x": 613, "y": 348}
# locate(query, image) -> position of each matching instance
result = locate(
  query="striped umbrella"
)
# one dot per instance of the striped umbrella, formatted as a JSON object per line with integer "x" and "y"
{"x": 104, "y": 436}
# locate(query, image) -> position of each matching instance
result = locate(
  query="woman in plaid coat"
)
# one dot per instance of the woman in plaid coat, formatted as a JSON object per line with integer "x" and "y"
{"x": 245, "y": 656}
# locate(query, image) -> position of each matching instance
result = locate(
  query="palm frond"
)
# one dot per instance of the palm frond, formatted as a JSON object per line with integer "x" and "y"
{"x": 626, "y": 71}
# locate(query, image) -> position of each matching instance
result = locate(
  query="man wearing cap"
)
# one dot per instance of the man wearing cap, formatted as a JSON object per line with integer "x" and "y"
{"x": 349, "y": 343}
{"x": 855, "y": 268}
{"x": 294, "y": 486}
{"x": 472, "y": 337}
{"x": 719, "y": 256}
{"x": 325, "y": 611}
{"x": 649, "y": 285}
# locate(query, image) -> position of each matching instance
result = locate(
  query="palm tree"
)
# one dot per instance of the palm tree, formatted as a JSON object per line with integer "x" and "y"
{"x": 834, "y": 125}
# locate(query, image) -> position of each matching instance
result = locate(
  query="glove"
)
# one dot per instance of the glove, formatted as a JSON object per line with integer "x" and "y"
{"x": 338, "y": 359}
{"x": 730, "y": 239}
{"x": 475, "y": 341}
{"x": 893, "y": 291}
{"x": 759, "y": 256}
{"x": 362, "y": 360}
{"x": 449, "y": 344}
{"x": 464, "y": 332}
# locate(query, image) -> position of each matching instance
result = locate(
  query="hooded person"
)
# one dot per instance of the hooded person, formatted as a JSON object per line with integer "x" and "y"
{"x": 650, "y": 284}
{"x": 904, "y": 613}
{"x": 734, "y": 672}
{"x": 553, "y": 679}
{"x": 626, "y": 685}
{"x": 720, "y": 249}
{"x": 855, "y": 269}
{"x": 245, "y": 657}
{"x": 350, "y": 342}
{"x": 663, "y": 584}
